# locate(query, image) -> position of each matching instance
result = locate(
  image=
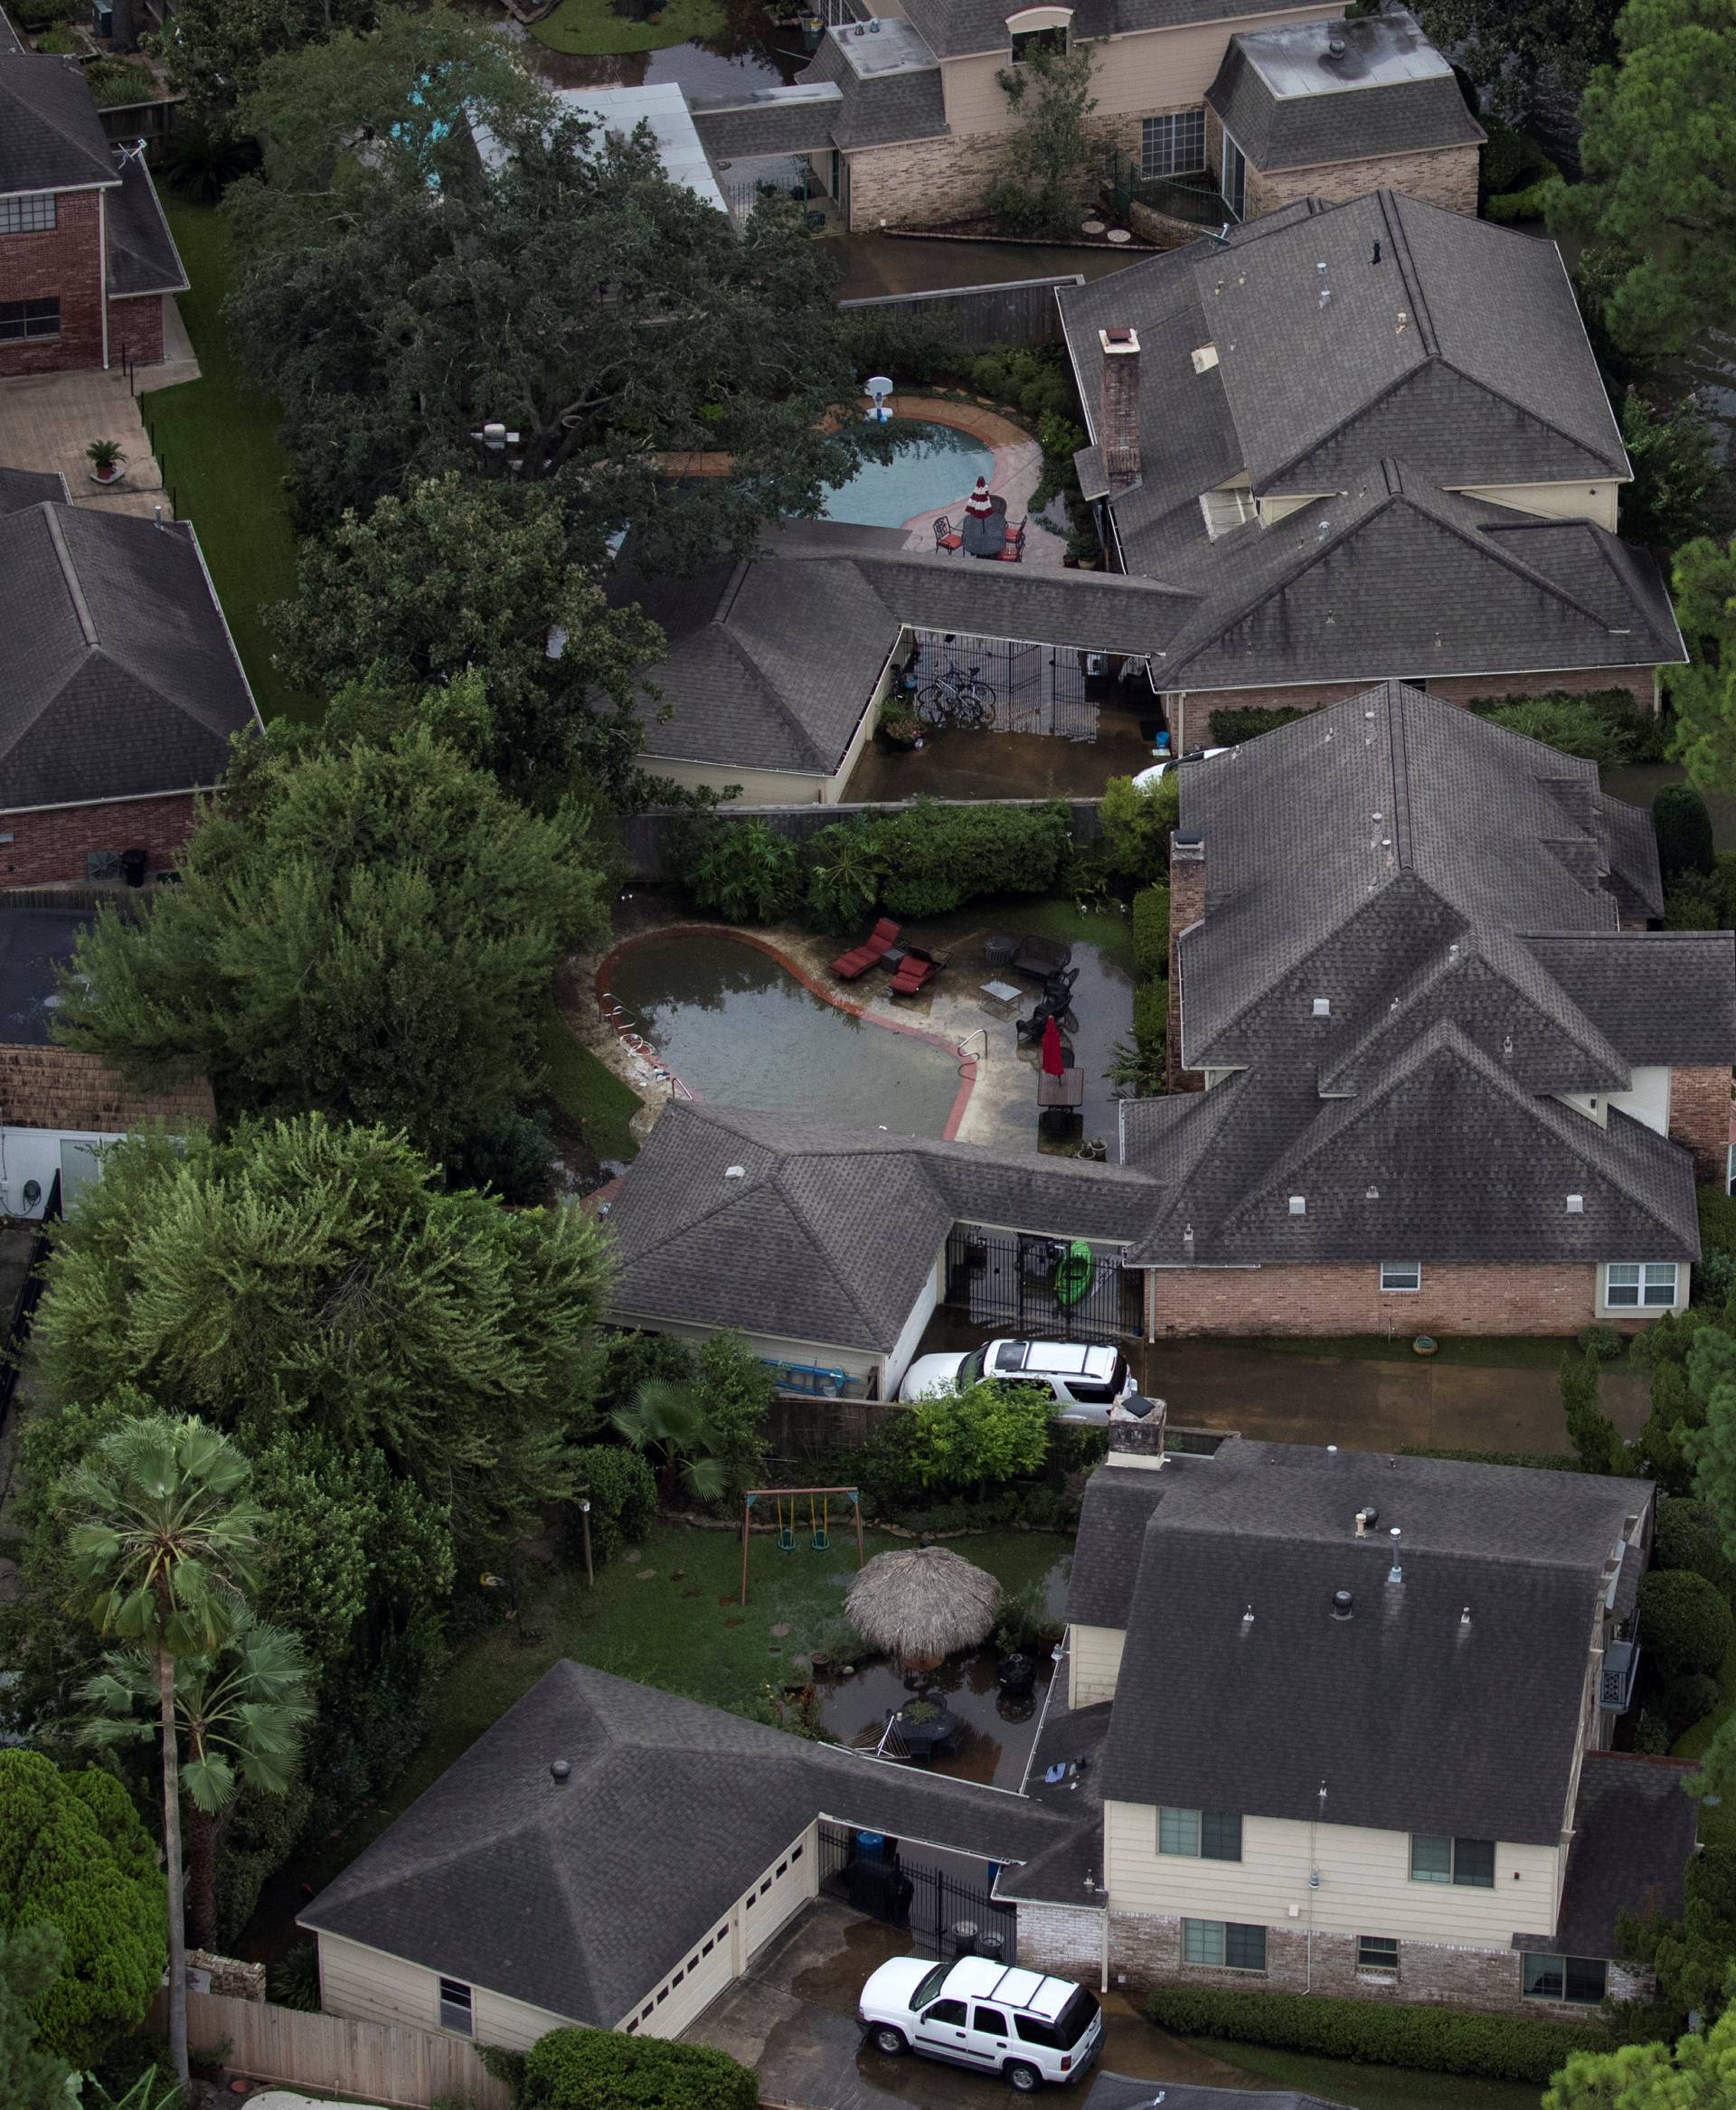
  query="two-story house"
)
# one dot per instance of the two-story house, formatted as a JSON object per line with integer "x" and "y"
{"x": 1370, "y": 438}
{"x": 1217, "y": 108}
{"x": 86, "y": 256}
{"x": 1351, "y": 1715}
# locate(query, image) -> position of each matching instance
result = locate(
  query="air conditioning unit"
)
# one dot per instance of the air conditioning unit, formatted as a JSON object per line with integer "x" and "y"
{"x": 102, "y": 18}
{"x": 103, "y": 866}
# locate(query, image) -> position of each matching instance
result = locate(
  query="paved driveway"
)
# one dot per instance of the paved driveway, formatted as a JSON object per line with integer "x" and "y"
{"x": 794, "y": 2020}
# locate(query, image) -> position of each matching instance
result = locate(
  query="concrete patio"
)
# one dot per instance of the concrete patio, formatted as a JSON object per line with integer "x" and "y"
{"x": 48, "y": 420}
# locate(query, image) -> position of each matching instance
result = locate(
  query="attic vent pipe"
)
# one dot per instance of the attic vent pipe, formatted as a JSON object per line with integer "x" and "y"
{"x": 559, "y": 1770}
{"x": 1395, "y": 1574}
{"x": 1341, "y": 1601}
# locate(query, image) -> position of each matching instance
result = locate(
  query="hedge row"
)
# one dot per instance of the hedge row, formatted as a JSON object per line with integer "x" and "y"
{"x": 600, "y": 2070}
{"x": 1435, "y": 2039}
{"x": 1151, "y": 933}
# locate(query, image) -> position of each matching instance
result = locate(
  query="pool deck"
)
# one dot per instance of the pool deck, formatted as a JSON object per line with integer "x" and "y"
{"x": 1018, "y": 464}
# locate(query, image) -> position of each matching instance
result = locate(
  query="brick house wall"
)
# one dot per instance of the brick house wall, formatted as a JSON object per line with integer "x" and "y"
{"x": 1439, "y": 176}
{"x": 136, "y": 329}
{"x": 1066, "y": 1940}
{"x": 1189, "y": 711}
{"x": 1346, "y": 1297}
{"x": 1700, "y": 1117}
{"x": 66, "y": 263}
{"x": 54, "y": 843}
{"x": 1145, "y": 1950}
{"x": 924, "y": 183}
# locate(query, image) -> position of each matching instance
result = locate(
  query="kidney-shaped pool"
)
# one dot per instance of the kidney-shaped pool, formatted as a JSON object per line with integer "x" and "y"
{"x": 737, "y": 1027}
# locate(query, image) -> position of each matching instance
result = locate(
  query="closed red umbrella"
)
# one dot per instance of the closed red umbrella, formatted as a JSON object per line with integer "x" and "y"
{"x": 979, "y": 503}
{"x": 1053, "y": 1061}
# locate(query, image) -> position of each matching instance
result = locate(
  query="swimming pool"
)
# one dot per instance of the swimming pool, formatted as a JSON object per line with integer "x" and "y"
{"x": 941, "y": 469}
{"x": 738, "y": 1028}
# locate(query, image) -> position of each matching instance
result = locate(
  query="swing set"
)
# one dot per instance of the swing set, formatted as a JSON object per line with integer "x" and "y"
{"x": 786, "y": 1501}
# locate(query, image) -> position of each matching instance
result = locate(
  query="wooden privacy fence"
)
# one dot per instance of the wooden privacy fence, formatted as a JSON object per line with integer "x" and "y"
{"x": 373, "y": 2061}
{"x": 1017, "y": 311}
{"x": 645, "y": 838}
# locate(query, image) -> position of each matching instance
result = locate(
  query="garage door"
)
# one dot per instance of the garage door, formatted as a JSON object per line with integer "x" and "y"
{"x": 688, "y": 1991}
{"x": 781, "y": 1891}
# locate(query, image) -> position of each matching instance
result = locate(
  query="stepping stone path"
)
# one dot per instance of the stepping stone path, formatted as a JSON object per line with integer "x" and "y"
{"x": 632, "y": 1553}
{"x": 778, "y": 1633}
{"x": 645, "y": 1574}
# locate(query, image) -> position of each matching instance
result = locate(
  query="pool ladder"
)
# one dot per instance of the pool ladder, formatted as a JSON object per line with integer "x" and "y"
{"x": 964, "y": 1045}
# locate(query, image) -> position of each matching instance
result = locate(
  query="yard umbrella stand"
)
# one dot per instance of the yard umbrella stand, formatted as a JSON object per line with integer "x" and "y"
{"x": 979, "y": 504}
{"x": 923, "y": 1606}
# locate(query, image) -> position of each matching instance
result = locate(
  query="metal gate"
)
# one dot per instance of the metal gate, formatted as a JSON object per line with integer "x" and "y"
{"x": 1038, "y": 688}
{"x": 1004, "y": 1278}
{"x": 947, "y": 1915}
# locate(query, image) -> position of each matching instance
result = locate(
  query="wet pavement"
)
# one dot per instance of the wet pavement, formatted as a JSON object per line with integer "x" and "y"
{"x": 793, "y": 2020}
{"x": 995, "y": 1729}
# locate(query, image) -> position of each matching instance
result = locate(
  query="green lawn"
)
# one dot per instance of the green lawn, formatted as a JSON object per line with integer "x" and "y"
{"x": 1371, "y": 2087}
{"x": 588, "y": 1092}
{"x": 592, "y": 27}
{"x": 216, "y": 438}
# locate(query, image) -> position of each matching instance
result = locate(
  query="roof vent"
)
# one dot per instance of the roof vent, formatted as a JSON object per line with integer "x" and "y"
{"x": 1341, "y": 1604}
{"x": 559, "y": 1770}
{"x": 735, "y": 1172}
{"x": 1248, "y": 1616}
{"x": 1395, "y": 1574}
{"x": 1205, "y": 358}
{"x": 1576, "y": 1205}
{"x": 1464, "y": 1617}
{"x": 1299, "y": 1205}
{"x": 1371, "y": 1193}
{"x": 1366, "y": 1519}
{"x": 1323, "y": 1007}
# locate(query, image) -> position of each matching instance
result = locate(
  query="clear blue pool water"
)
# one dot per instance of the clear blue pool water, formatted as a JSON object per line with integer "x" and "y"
{"x": 940, "y": 469}
{"x": 740, "y": 1030}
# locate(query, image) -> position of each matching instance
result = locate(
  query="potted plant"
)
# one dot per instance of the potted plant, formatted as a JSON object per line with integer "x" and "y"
{"x": 107, "y": 459}
{"x": 1081, "y": 551}
{"x": 898, "y": 721}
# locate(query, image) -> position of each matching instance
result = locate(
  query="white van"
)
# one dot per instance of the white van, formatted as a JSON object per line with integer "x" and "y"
{"x": 980, "y": 2013}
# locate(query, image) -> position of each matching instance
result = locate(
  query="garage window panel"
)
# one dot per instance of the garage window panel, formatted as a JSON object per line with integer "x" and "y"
{"x": 455, "y": 2007}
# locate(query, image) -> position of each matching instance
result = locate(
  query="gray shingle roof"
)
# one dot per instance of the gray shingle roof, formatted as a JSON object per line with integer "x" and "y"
{"x": 776, "y": 121}
{"x": 879, "y": 108}
{"x": 1403, "y": 1713}
{"x": 51, "y": 137}
{"x": 122, "y": 677}
{"x": 826, "y": 1235}
{"x": 578, "y": 1896}
{"x": 1112, "y": 1522}
{"x": 1634, "y": 1830}
{"x": 956, "y": 28}
{"x": 1289, "y": 101}
{"x": 142, "y": 255}
{"x": 1419, "y": 1116}
{"x": 19, "y": 488}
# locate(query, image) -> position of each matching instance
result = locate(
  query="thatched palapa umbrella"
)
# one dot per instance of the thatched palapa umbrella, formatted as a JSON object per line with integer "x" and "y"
{"x": 923, "y": 1606}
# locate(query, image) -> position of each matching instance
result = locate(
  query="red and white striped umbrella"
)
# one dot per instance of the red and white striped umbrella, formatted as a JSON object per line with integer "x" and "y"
{"x": 979, "y": 503}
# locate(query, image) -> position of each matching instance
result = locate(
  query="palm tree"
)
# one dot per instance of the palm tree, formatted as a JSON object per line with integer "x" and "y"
{"x": 165, "y": 1551}
{"x": 666, "y": 1420}
{"x": 241, "y": 1712}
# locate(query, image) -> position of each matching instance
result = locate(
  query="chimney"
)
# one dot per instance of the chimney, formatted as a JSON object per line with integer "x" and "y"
{"x": 1138, "y": 1441}
{"x": 1119, "y": 419}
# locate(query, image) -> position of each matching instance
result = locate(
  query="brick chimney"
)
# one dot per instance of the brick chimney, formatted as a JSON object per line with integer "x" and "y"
{"x": 1120, "y": 420}
{"x": 1186, "y": 908}
{"x": 1139, "y": 1442}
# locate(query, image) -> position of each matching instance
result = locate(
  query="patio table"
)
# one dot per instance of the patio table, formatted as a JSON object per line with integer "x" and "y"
{"x": 1068, "y": 1090}
{"x": 985, "y": 536}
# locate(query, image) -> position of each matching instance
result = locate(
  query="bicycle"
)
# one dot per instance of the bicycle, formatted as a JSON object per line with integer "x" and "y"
{"x": 953, "y": 698}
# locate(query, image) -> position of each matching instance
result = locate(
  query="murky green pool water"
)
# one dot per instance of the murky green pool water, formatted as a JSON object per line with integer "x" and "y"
{"x": 737, "y": 1028}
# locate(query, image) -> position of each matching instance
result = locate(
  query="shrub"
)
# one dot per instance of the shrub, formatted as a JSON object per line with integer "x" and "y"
{"x": 1683, "y": 829}
{"x": 1135, "y": 825}
{"x": 1688, "y": 904}
{"x": 1151, "y": 933}
{"x": 1593, "y": 1435}
{"x": 1605, "y": 1344}
{"x": 736, "y": 1389}
{"x": 1137, "y": 1066}
{"x": 1605, "y": 725}
{"x": 598, "y": 2069}
{"x": 1689, "y": 1538}
{"x": 1686, "y": 1623}
{"x": 959, "y": 1444}
{"x": 1439, "y": 2040}
{"x": 1033, "y": 378}
{"x": 622, "y": 1491}
{"x": 632, "y": 1359}
{"x": 1230, "y": 728}
{"x": 1024, "y": 1621}
{"x": 913, "y": 347}
{"x": 843, "y": 874}
{"x": 935, "y": 857}
{"x": 743, "y": 870}
{"x": 1686, "y": 1701}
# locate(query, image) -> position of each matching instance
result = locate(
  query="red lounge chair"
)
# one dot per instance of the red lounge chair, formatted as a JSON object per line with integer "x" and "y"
{"x": 916, "y": 969}
{"x": 851, "y": 966}
{"x": 946, "y": 536}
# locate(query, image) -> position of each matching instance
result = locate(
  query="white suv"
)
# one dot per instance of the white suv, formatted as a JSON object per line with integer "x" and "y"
{"x": 982, "y": 2014}
{"x": 1087, "y": 1384}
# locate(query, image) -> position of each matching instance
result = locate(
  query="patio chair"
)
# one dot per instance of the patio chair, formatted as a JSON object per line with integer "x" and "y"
{"x": 918, "y": 969}
{"x": 946, "y": 536}
{"x": 852, "y": 966}
{"x": 1013, "y": 549}
{"x": 1017, "y": 534}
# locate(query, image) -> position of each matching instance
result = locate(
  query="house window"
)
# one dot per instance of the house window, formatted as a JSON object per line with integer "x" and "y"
{"x": 1224, "y": 1943}
{"x": 32, "y": 215}
{"x": 1204, "y": 1834}
{"x": 1027, "y": 41}
{"x": 28, "y": 318}
{"x": 1376, "y": 1952}
{"x": 1469, "y": 1862}
{"x": 1579, "y": 1979}
{"x": 455, "y": 2007}
{"x": 1402, "y": 1274}
{"x": 1173, "y": 146}
{"x": 1634, "y": 1284}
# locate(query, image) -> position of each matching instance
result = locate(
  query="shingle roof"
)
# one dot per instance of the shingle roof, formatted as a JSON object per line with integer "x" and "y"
{"x": 1634, "y": 1830}
{"x": 578, "y": 1896}
{"x": 122, "y": 677}
{"x": 826, "y": 1235}
{"x": 1459, "y": 922}
{"x": 775, "y": 121}
{"x": 1289, "y": 101}
{"x": 51, "y": 137}
{"x": 142, "y": 255}
{"x": 1403, "y": 1712}
{"x": 19, "y": 488}
{"x": 880, "y": 106}
{"x": 956, "y": 28}
{"x": 1112, "y": 1522}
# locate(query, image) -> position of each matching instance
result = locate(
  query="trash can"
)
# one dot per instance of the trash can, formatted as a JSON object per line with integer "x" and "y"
{"x": 963, "y": 1937}
{"x": 992, "y": 1946}
{"x": 998, "y": 951}
{"x": 870, "y": 1845}
{"x": 133, "y": 863}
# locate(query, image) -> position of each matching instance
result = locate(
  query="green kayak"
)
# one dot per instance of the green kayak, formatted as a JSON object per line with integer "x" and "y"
{"x": 1075, "y": 1273}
